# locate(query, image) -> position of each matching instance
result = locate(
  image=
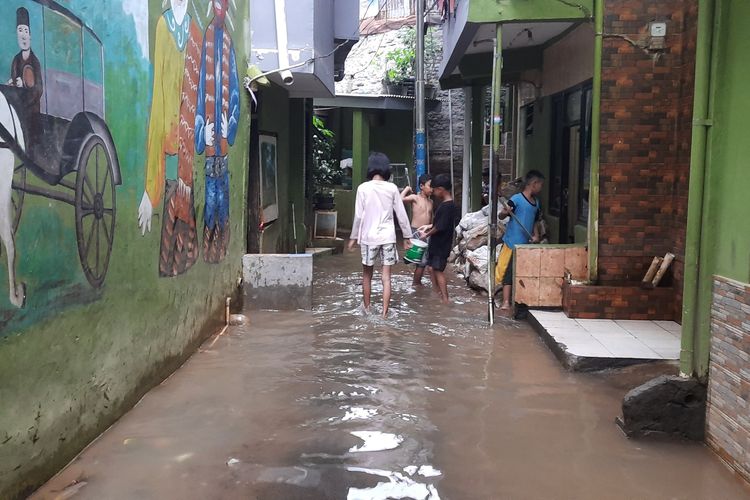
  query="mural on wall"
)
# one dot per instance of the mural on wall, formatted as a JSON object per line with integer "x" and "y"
{"x": 216, "y": 124}
{"x": 171, "y": 132}
{"x": 194, "y": 109}
{"x": 54, "y": 141}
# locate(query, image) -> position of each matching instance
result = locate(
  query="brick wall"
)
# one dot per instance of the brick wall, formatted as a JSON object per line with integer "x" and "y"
{"x": 618, "y": 302}
{"x": 728, "y": 420}
{"x": 645, "y": 139}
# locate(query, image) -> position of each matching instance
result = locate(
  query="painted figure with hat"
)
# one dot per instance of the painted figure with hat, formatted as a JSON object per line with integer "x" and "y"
{"x": 216, "y": 122}
{"x": 26, "y": 73}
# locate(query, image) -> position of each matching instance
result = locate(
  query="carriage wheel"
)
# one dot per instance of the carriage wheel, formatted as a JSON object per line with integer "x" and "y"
{"x": 95, "y": 209}
{"x": 19, "y": 187}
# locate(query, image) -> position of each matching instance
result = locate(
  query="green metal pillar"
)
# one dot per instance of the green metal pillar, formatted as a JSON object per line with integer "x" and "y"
{"x": 360, "y": 146}
{"x": 596, "y": 98}
{"x": 477, "y": 138}
{"x": 696, "y": 332}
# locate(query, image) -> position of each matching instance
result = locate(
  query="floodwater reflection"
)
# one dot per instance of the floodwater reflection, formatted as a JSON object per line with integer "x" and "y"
{"x": 429, "y": 403}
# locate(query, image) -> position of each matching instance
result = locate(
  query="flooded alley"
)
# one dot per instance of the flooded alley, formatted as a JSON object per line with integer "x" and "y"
{"x": 427, "y": 404}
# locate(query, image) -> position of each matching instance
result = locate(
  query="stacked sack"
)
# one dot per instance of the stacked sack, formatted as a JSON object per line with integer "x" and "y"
{"x": 471, "y": 253}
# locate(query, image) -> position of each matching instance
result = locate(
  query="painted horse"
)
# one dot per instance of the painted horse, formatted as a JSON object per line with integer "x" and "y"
{"x": 9, "y": 120}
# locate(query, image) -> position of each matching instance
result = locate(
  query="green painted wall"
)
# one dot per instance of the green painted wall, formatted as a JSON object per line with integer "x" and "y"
{"x": 285, "y": 117}
{"x": 490, "y": 11}
{"x": 536, "y": 151}
{"x": 389, "y": 132}
{"x": 76, "y": 357}
{"x": 725, "y": 245}
{"x": 727, "y": 183}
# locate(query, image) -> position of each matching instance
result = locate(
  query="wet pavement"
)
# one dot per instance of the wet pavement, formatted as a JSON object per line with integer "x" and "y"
{"x": 427, "y": 404}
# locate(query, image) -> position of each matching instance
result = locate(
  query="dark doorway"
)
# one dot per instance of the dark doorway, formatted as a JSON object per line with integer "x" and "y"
{"x": 571, "y": 160}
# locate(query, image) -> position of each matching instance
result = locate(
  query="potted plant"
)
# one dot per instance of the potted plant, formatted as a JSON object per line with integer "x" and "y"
{"x": 399, "y": 69}
{"x": 400, "y": 64}
{"x": 326, "y": 170}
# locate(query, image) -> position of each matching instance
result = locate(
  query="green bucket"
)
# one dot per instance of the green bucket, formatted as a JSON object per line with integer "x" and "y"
{"x": 416, "y": 252}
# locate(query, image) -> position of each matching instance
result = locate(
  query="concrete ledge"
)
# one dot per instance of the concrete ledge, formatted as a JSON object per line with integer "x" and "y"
{"x": 577, "y": 363}
{"x": 277, "y": 281}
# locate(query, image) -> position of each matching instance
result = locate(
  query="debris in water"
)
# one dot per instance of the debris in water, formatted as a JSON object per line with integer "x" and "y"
{"x": 398, "y": 486}
{"x": 71, "y": 490}
{"x": 238, "y": 319}
{"x": 232, "y": 461}
{"x": 429, "y": 471}
{"x": 376, "y": 441}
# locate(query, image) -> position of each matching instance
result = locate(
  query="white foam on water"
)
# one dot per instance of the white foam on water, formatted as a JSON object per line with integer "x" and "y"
{"x": 375, "y": 441}
{"x": 398, "y": 486}
{"x": 411, "y": 469}
{"x": 359, "y": 414}
{"x": 429, "y": 471}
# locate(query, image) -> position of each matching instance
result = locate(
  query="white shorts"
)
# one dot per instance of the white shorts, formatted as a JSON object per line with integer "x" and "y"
{"x": 386, "y": 253}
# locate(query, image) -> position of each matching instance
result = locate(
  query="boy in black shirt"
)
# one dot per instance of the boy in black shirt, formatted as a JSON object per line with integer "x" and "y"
{"x": 440, "y": 233}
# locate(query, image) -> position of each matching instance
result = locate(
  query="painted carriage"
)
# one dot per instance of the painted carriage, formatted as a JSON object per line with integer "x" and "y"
{"x": 71, "y": 158}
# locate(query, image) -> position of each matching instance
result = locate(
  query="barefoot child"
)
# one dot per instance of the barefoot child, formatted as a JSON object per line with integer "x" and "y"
{"x": 421, "y": 215}
{"x": 373, "y": 228}
{"x": 525, "y": 206}
{"x": 441, "y": 234}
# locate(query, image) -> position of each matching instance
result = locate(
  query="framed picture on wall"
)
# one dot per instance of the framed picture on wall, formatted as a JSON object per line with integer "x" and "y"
{"x": 269, "y": 186}
{"x": 325, "y": 224}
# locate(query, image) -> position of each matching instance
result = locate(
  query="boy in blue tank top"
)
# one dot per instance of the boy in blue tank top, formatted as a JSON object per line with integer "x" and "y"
{"x": 527, "y": 210}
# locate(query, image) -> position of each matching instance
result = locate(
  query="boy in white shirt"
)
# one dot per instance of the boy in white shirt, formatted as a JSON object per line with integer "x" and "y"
{"x": 373, "y": 229}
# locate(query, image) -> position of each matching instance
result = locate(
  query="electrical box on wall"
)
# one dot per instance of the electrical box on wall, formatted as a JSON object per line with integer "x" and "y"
{"x": 658, "y": 32}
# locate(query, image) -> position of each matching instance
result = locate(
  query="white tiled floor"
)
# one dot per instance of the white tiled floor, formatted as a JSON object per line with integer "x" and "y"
{"x": 605, "y": 338}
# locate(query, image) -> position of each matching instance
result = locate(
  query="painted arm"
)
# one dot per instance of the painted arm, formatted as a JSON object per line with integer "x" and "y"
{"x": 234, "y": 98}
{"x": 155, "y": 162}
{"x": 200, "y": 112}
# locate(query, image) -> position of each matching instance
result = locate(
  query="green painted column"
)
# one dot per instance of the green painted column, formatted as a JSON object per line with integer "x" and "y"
{"x": 360, "y": 146}
{"x": 596, "y": 98}
{"x": 477, "y": 133}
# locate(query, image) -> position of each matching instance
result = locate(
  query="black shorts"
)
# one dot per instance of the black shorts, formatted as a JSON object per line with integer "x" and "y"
{"x": 437, "y": 263}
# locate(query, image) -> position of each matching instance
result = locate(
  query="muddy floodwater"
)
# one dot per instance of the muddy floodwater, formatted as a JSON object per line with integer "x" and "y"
{"x": 427, "y": 404}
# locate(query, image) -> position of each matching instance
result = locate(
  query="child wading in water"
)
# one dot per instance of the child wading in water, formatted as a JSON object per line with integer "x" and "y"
{"x": 421, "y": 215}
{"x": 526, "y": 208}
{"x": 441, "y": 234}
{"x": 377, "y": 200}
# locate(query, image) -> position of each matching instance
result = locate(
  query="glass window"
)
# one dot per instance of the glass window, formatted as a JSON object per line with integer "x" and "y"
{"x": 63, "y": 46}
{"x": 573, "y": 112}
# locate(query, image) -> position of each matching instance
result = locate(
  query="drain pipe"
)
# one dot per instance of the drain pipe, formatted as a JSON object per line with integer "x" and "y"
{"x": 226, "y": 322}
{"x": 281, "y": 42}
{"x": 596, "y": 100}
{"x": 708, "y": 14}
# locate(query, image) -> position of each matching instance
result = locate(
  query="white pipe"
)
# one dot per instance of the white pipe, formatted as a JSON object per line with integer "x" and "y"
{"x": 467, "y": 152}
{"x": 281, "y": 41}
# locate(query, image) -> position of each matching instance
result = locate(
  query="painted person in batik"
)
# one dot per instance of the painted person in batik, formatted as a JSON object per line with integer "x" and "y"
{"x": 171, "y": 132}
{"x": 216, "y": 128}
{"x": 26, "y": 73}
